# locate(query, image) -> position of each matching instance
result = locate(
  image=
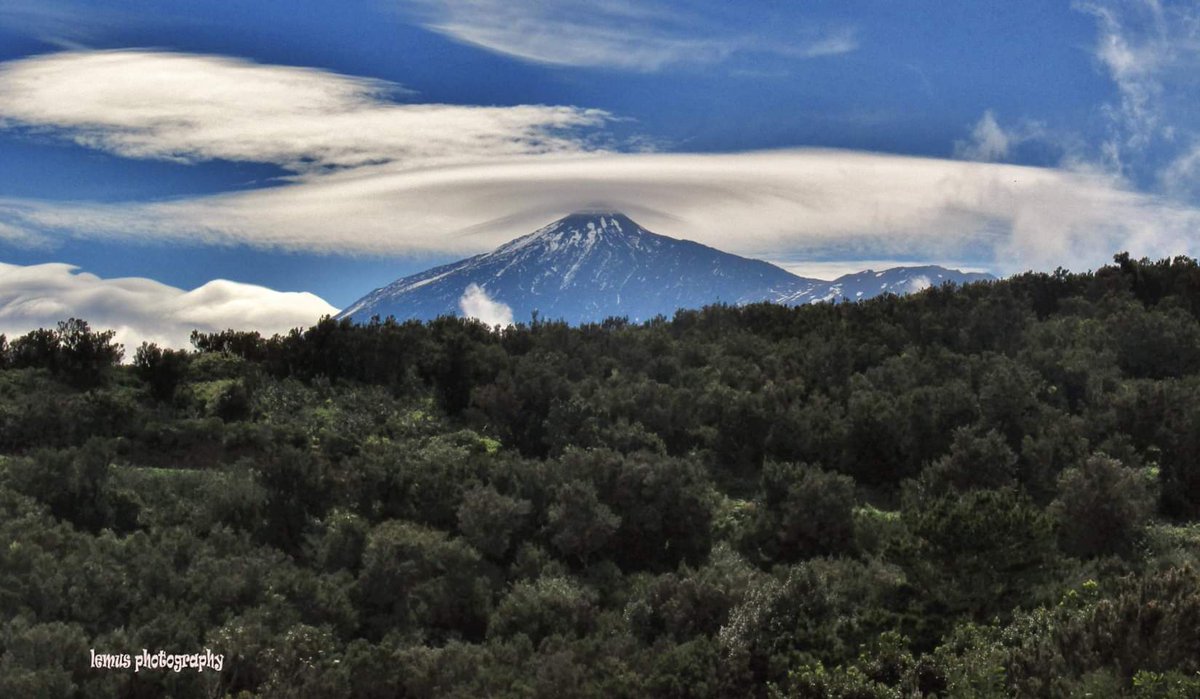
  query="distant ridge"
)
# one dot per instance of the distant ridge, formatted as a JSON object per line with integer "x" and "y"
{"x": 894, "y": 280}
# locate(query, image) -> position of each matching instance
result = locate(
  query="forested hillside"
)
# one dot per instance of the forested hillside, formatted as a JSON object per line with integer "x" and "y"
{"x": 985, "y": 491}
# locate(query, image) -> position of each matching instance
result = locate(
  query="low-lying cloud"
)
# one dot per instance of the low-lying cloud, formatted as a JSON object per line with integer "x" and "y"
{"x": 476, "y": 303}
{"x": 38, "y": 296}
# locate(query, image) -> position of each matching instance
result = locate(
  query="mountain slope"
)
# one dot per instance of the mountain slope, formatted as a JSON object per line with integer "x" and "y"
{"x": 587, "y": 267}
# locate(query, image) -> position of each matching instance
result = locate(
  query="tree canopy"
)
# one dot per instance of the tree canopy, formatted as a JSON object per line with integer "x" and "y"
{"x": 990, "y": 490}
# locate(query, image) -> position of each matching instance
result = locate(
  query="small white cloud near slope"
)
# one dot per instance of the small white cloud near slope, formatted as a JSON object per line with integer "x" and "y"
{"x": 917, "y": 283}
{"x": 139, "y": 309}
{"x": 475, "y": 303}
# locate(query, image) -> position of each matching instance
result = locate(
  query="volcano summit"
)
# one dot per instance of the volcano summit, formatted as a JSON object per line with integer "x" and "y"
{"x": 590, "y": 266}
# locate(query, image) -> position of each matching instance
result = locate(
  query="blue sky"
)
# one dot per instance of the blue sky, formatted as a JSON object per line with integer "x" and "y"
{"x": 332, "y": 147}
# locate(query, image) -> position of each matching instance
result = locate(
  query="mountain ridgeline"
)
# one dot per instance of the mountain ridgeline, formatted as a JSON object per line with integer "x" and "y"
{"x": 587, "y": 267}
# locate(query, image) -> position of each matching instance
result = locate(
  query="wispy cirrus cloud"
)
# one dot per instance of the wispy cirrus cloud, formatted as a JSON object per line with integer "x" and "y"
{"x": 642, "y": 35}
{"x": 64, "y": 23}
{"x": 1151, "y": 51}
{"x": 143, "y": 310}
{"x": 1180, "y": 178}
{"x": 187, "y": 107}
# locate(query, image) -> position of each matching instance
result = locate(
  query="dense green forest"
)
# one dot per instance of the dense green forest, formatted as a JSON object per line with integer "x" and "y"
{"x": 986, "y": 491}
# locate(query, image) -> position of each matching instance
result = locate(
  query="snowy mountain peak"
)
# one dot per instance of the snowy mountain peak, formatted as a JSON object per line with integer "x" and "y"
{"x": 579, "y": 231}
{"x": 591, "y": 265}
{"x": 599, "y": 222}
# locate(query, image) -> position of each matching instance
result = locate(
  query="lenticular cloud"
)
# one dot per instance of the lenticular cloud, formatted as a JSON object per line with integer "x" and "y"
{"x": 188, "y": 107}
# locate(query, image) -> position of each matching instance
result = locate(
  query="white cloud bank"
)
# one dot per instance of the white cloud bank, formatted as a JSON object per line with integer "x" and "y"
{"x": 386, "y": 178}
{"x": 38, "y": 296}
{"x": 642, "y": 35}
{"x": 475, "y": 303}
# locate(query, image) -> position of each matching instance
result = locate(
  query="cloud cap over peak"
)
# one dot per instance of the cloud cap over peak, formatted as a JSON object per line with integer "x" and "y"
{"x": 820, "y": 203}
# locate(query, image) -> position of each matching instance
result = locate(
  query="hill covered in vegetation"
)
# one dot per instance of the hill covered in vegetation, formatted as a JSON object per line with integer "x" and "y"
{"x": 985, "y": 491}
